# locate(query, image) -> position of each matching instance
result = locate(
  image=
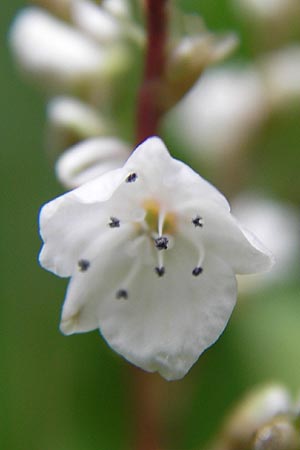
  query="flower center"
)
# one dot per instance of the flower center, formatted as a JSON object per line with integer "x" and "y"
{"x": 154, "y": 213}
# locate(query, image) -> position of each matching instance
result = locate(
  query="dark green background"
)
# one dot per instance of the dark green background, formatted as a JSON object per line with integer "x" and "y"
{"x": 60, "y": 393}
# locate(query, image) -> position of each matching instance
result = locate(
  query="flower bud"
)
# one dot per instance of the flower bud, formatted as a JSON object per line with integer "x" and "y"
{"x": 90, "y": 159}
{"x": 189, "y": 55}
{"x": 281, "y": 70}
{"x": 278, "y": 434}
{"x": 62, "y": 58}
{"x": 70, "y": 121}
{"x": 257, "y": 408}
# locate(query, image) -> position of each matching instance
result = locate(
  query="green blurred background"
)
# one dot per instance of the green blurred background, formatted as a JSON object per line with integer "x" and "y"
{"x": 60, "y": 393}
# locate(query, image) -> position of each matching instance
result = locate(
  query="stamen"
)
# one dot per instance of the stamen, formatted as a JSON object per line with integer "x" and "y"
{"x": 197, "y": 221}
{"x": 122, "y": 293}
{"x": 83, "y": 265}
{"x": 197, "y": 271}
{"x": 160, "y": 271}
{"x": 114, "y": 222}
{"x": 161, "y": 243}
{"x": 131, "y": 178}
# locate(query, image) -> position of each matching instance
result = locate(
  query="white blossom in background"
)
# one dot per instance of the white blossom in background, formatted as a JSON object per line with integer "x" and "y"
{"x": 281, "y": 71}
{"x": 89, "y": 159}
{"x": 221, "y": 112}
{"x": 152, "y": 251}
{"x": 63, "y": 56}
{"x": 277, "y": 225}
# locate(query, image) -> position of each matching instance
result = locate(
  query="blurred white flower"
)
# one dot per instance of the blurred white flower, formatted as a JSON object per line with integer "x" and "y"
{"x": 268, "y": 10}
{"x": 278, "y": 226}
{"x": 281, "y": 70}
{"x": 90, "y": 159}
{"x": 64, "y": 57}
{"x": 221, "y": 111}
{"x": 152, "y": 250}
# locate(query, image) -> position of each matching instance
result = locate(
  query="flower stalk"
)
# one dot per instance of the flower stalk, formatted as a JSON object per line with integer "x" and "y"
{"x": 148, "y": 118}
{"x": 148, "y": 104}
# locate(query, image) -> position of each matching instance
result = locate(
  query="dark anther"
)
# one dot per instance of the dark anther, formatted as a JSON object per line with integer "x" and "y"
{"x": 122, "y": 293}
{"x": 160, "y": 271}
{"x": 114, "y": 222}
{"x": 131, "y": 178}
{"x": 197, "y": 221}
{"x": 83, "y": 265}
{"x": 197, "y": 271}
{"x": 161, "y": 243}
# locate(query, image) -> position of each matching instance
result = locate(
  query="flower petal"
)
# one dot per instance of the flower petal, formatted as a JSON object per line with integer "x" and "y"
{"x": 227, "y": 238}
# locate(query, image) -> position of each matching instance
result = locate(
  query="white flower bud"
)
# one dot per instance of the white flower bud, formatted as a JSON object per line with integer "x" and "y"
{"x": 70, "y": 120}
{"x": 278, "y": 434}
{"x": 90, "y": 159}
{"x": 257, "y": 408}
{"x": 282, "y": 75}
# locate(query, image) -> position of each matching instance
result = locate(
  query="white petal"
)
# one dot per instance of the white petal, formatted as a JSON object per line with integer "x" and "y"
{"x": 52, "y": 50}
{"x": 67, "y": 228}
{"x": 90, "y": 159}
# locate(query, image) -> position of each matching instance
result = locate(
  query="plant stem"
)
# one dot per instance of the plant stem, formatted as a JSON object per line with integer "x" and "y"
{"x": 148, "y": 109}
{"x": 148, "y": 115}
{"x": 147, "y": 410}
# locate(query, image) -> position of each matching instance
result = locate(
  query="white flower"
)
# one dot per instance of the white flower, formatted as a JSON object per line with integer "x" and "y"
{"x": 62, "y": 56}
{"x": 152, "y": 250}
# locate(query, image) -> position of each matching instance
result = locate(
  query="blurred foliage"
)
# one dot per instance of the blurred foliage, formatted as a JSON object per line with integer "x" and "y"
{"x": 72, "y": 393}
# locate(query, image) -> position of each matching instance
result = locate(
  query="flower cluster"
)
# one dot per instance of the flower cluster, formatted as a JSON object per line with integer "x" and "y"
{"x": 152, "y": 251}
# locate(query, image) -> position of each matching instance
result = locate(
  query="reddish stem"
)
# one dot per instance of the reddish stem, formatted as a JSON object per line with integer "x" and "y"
{"x": 147, "y": 410}
{"x": 146, "y": 387}
{"x": 148, "y": 110}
